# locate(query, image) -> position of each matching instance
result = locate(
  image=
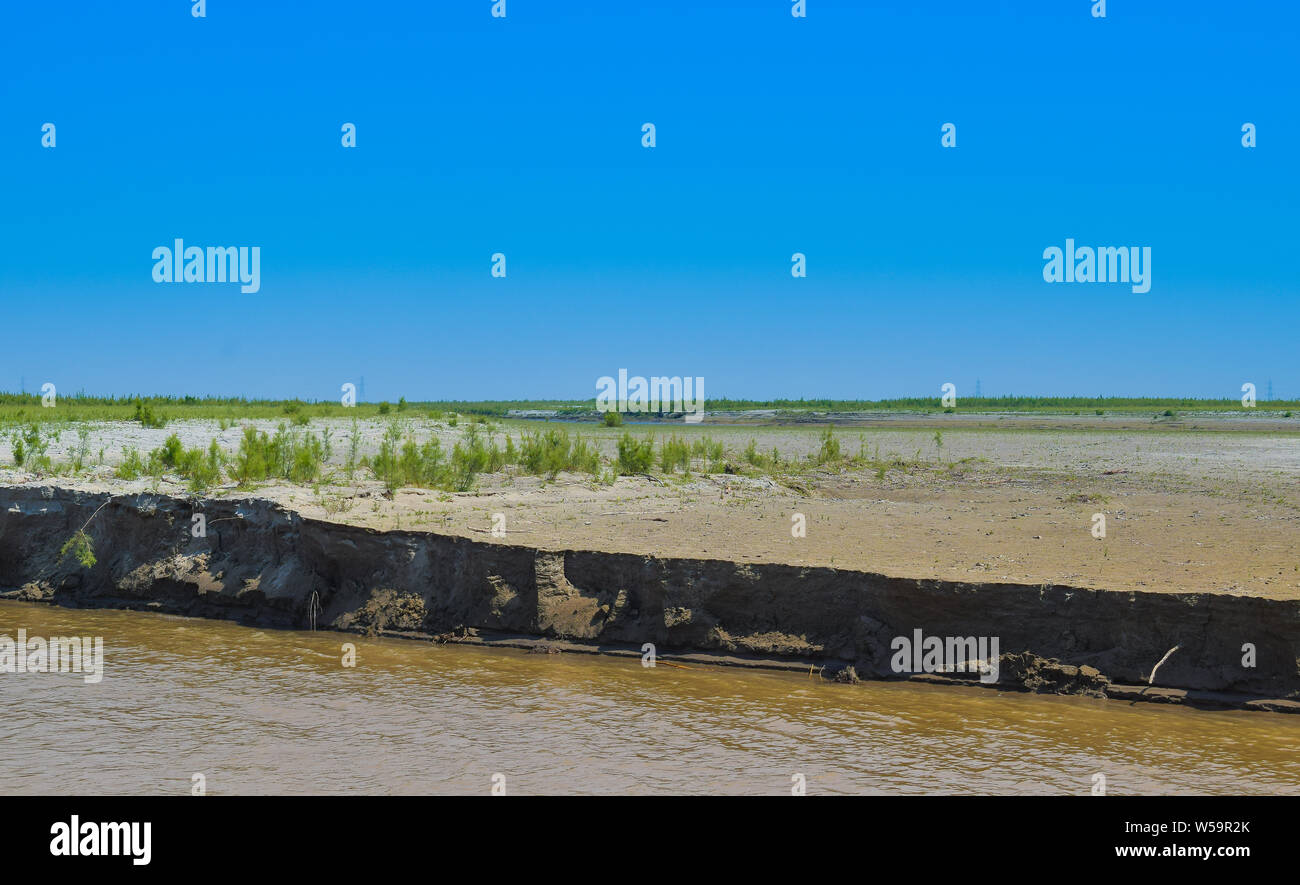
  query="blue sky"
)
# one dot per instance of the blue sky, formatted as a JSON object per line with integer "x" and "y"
{"x": 774, "y": 135}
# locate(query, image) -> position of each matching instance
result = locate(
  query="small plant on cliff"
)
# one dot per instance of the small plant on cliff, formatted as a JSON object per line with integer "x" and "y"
{"x": 80, "y": 546}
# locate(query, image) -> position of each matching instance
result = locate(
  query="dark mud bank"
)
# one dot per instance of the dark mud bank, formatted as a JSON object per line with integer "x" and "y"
{"x": 262, "y": 565}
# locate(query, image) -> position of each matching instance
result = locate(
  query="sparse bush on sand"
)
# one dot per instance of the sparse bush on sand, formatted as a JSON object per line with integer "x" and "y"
{"x": 635, "y": 455}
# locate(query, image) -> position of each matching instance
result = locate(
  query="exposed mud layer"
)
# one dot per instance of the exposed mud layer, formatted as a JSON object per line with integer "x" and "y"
{"x": 264, "y": 565}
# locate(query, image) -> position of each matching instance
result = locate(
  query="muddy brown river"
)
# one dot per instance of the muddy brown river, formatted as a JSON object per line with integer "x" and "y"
{"x": 274, "y": 712}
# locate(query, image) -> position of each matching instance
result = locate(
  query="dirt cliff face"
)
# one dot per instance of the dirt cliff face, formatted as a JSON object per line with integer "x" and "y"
{"x": 260, "y": 564}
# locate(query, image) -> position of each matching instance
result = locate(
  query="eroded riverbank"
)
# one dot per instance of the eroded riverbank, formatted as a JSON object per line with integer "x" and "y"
{"x": 273, "y": 712}
{"x": 260, "y": 564}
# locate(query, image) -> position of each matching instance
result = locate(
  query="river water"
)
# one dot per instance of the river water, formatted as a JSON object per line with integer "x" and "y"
{"x": 258, "y": 711}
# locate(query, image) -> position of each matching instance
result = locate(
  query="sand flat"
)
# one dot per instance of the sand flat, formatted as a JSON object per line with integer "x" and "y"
{"x": 1201, "y": 505}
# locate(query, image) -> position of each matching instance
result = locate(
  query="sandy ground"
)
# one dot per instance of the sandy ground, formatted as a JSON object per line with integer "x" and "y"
{"x": 1200, "y": 504}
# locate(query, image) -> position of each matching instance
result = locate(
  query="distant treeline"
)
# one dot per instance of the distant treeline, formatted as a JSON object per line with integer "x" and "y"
{"x": 81, "y": 407}
{"x": 997, "y": 404}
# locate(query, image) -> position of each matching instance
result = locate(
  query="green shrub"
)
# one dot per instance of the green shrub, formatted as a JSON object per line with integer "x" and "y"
{"x": 287, "y": 455}
{"x": 544, "y": 452}
{"x": 405, "y": 463}
{"x": 30, "y": 447}
{"x": 635, "y": 456}
{"x": 423, "y": 466}
{"x": 708, "y": 449}
{"x": 387, "y": 465}
{"x": 674, "y": 453}
{"x": 583, "y": 457}
{"x": 132, "y": 466}
{"x": 170, "y": 453}
{"x": 467, "y": 461}
{"x": 550, "y": 451}
{"x": 830, "y": 450}
{"x": 80, "y": 546}
{"x": 203, "y": 470}
{"x": 144, "y": 413}
{"x": 253, "y": 459}
{"x": 354, "y": 449}
{"x": 305, "y": 467}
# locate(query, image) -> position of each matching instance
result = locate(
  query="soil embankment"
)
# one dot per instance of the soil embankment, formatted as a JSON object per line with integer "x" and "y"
{"x": 261, "y": 564}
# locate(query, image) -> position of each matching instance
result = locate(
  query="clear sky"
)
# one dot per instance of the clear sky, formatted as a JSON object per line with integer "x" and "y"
{"x": 775, "y": 135}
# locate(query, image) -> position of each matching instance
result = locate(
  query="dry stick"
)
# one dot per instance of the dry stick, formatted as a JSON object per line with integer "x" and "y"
{"x": 1151, "y": 678}
{"x": 96, "y": 513}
